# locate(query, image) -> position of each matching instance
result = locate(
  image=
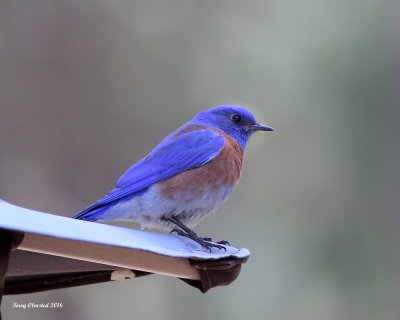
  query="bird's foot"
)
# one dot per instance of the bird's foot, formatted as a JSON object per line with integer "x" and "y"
{"x": 223, "y": 242}
{"x": 204, "y": 242}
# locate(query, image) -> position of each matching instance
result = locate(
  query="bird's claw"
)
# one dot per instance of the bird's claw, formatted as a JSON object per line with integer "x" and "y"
{"x": 205, "y": 242}
{"x": 209, "y": 245}
{"x": 224, "y": 242}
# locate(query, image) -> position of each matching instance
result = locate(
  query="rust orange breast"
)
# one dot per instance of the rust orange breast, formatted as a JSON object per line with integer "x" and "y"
{"x": 223, "y": 171}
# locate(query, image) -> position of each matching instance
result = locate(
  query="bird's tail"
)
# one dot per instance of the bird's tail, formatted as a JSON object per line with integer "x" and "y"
{"x": 90, "y": 213}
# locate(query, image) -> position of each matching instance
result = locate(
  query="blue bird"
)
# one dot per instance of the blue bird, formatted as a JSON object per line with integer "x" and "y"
{"x": 185, "y": 178}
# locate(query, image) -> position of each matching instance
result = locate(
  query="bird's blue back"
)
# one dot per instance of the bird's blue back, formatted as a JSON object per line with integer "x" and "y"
{"x": 189, "y": 147}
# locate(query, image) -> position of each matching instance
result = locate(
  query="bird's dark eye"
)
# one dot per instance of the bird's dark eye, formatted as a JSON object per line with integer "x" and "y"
{"x": 236, "y": 118}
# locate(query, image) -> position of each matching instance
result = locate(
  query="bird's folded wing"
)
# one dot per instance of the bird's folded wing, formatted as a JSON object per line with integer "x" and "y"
{"x": 187, "y": 151}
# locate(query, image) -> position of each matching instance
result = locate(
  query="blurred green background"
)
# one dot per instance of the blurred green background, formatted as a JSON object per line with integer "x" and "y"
{"x": 89, "y": 87}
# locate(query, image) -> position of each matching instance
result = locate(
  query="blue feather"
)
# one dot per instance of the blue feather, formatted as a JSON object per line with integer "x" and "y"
{"x": 172, "y": 156}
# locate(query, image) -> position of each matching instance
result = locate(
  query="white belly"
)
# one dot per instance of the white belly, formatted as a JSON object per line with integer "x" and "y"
{"x": 149, "y": 208}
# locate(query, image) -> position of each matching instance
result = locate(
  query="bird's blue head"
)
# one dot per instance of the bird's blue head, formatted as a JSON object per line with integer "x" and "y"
{"x": 235, "y": 121}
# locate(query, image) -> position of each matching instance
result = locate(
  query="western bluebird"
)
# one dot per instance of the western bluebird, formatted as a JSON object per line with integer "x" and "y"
{"x": 186, "y": 177}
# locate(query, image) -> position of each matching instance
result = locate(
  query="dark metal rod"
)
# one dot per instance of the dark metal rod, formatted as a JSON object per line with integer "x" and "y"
{"x": 6, "y": 240}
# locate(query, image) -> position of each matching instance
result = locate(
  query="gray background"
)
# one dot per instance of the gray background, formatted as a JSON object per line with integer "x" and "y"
{"x": 89, "y": 87}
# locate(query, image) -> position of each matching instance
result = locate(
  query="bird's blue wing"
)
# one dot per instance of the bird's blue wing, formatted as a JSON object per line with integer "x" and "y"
{"x": 171, "y": 157}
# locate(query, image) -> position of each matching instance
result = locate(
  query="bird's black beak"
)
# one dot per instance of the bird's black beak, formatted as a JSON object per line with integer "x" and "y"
{"x": 261, "y": 127}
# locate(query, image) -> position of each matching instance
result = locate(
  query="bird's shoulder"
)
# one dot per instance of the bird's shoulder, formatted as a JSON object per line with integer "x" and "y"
{"x": 192, "y": 130}
{"x": 231, "y": 153}
{"x": 188, "y": 128}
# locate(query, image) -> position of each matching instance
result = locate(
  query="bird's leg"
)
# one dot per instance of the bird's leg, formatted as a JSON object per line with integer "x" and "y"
{"x": 179, "y": 232}
{"x": 187, "y": 232}
{"x": 207, "y": 239}
{"x": 182, "y": 233}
